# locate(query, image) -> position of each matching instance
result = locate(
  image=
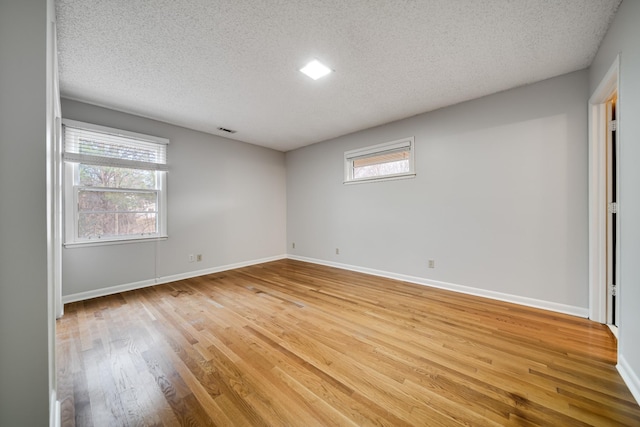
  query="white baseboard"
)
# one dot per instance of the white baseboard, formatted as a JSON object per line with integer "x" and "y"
{"x": 54, "y": 410}
{"x": 81, "y": 296}
{"x": 530, "y": 302}
{"x": 613, "y": 329}
{"x": 630, "y": 377}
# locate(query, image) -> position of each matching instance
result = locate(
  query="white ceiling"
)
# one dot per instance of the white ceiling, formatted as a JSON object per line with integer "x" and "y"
{"x": 205, "y": 64}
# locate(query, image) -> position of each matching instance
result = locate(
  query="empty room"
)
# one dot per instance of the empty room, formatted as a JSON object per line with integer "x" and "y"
{"x": 297, "y": 213}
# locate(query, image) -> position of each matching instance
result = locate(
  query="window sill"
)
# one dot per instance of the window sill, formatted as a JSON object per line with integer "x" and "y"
{"x": 88, "y": 243}
{"x": 378, "y": 179}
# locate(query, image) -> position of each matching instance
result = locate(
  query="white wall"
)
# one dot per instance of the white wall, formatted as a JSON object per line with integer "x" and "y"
{"x": 24, "y": 327}
{"x": 499, "y": 201}
{"x": 622, "y": 38}
{"x": 226, "y": 201}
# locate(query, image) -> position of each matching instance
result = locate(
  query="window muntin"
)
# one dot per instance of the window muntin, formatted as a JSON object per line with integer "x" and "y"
{"x": 390, "y": 160}
{"x": 114, "y": 185}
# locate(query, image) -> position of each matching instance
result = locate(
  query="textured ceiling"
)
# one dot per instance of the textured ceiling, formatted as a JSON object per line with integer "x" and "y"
{"x": 205, "y": 64}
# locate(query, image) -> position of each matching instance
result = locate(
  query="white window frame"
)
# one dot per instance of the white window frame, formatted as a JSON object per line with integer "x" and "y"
{"x": 71, "y": 187}
{"x": 374, "y": 150}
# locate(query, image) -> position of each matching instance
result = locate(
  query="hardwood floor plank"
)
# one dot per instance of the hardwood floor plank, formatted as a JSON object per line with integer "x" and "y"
{"x": 324, "y": 386}
{"x": 292, "y": 343}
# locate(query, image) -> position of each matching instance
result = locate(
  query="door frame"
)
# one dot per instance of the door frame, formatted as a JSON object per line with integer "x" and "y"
{"x": 598, "y": 193}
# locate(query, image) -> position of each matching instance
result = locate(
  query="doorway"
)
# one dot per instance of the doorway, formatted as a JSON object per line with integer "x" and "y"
{"x": 604, "y": 204}
{"x": 612, "y": 212}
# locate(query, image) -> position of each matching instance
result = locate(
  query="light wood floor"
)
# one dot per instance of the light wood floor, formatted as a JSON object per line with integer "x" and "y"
{"x": 294, "y": 344}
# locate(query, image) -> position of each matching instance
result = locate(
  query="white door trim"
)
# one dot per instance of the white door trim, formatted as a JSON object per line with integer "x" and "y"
{"x": 598, "y": 193}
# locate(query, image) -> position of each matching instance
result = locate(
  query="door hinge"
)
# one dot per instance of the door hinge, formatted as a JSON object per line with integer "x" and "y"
{"x": 613, "y": 125}
{"x": 612, "y": 208}
{"x": 613, "y": 290}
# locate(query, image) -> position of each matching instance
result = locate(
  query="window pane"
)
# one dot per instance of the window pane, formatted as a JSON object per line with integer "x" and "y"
{"x": 389, "y": 160}
{"x": 114, "y": 224}
{"x": 116, "y": 201}
{"x": 381, "y": 169}
{"x": 114, "y": 186}
{"x": 113, "y": 177}
{"x": 385, "y": 157}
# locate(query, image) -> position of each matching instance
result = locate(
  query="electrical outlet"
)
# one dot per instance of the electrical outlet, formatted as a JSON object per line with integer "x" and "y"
{"x": 192, "y": 258}
{"x": 199, "y": 257}
{"x": 337, "y": 251}
{"x": 293, "y": 245}
{"x": 432, "y": 263}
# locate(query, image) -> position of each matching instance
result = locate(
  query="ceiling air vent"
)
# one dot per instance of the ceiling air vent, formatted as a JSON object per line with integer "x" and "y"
{"x": 227, "y": 130}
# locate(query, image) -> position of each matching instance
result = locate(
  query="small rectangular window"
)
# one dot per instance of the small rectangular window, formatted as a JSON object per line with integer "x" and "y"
{"x": 115, "y": 184}
{"x": 391, "y": 160}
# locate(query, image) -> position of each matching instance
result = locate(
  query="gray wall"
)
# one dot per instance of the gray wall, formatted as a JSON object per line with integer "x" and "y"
{"x": 623, "y": 38}
{"x": 499, "y": 201}
{"x": 24, "y": 375}
{"x": 226, "y": 201}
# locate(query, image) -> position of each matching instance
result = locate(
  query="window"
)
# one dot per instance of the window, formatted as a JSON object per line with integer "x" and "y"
{"x": 114, "y": 184}
{"x": 391, "y": 160}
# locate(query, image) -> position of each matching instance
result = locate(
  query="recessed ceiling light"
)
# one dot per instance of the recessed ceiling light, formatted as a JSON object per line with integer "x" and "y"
{"x": 315, "y": 69}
